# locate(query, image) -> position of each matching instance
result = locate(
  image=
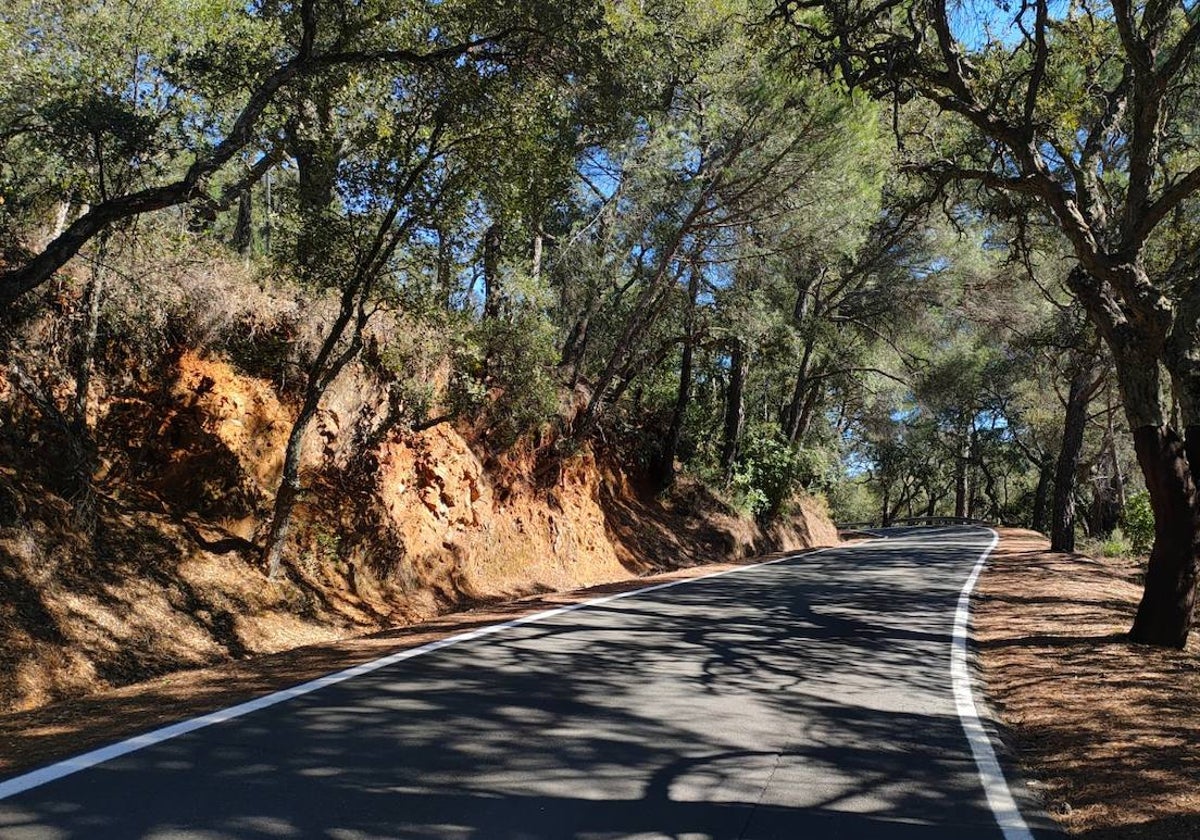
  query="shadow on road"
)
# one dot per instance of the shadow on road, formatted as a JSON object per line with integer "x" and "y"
{"x": 806, "y": 699}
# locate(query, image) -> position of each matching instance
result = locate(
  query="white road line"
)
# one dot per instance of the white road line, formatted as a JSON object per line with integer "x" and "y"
{"x": 70, "y": 766}
{"x": 999, "y": 796}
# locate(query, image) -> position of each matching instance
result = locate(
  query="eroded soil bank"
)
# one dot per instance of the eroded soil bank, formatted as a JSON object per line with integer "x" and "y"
{"x": 421, "y": 525}
{"x": 1106, "y": 731}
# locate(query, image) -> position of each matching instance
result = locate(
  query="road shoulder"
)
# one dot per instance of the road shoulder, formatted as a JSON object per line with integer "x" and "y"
{"x": 1105, "y": 732}
{"x": 36, "y": 738}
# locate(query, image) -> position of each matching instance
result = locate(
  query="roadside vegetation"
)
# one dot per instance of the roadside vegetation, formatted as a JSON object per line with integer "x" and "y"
{"x": 333, "y": 289}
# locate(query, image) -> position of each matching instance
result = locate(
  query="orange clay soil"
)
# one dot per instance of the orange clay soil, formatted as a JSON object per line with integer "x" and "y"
{"x": 36, "y": 738}
{"x": 1108, "y": 732}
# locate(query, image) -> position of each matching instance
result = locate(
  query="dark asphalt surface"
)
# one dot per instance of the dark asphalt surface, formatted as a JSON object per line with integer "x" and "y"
{"x": 806, "y": 699}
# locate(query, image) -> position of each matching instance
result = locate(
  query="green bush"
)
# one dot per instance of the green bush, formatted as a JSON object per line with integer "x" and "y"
{"x": 851, "y": 501}
{"x": 1139, "y": 522}
{"x": 769, "y": 471}
{"x": 1117, "y": 545}
{"x": 505, "y": 373}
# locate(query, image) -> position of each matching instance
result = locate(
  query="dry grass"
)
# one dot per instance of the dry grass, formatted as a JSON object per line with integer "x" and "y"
{"x": 1107, "y": 730}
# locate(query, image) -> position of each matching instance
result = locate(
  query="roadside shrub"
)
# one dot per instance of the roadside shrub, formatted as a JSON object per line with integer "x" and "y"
{"x": 1117, "y": 545}
{"x": 1139, "y": 522}
{"x": 851, "y": 500}
{"x": 504, "y": 373}
{"x": 769, "y": 470}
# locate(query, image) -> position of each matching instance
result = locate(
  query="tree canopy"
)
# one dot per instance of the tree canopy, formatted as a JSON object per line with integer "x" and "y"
{"x": 924, "y": 259}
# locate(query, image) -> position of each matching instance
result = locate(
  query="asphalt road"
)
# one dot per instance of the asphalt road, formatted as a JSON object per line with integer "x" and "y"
{"x": 805, "y": 699}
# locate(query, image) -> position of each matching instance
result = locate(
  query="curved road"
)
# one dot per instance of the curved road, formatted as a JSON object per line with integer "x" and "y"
{"x": 808, "y": 698}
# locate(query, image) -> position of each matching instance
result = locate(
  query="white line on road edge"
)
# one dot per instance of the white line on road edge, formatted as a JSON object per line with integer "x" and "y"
{"x": 999, "y": 797}
{"x": 67, "y": 767}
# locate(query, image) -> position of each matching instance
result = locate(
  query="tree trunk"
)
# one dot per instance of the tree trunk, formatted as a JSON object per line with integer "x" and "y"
{"x": 962, "y": 477}
{"x": 665, "y": 472}
{"x": 323, "y": 372}
{"x": 445, "y": 281}
{"x": 244, "y": 227}
{"x": 795, "y": 408}
{"x": 735, "y": 407}
{"x": 1164, "y": 615}
{"x": 1118, "y": 476}
{"x": 84, "y": 447}
{"x": 289, "y": 488}
{"x": 995, "y": 511}
{"x": 318, "y": 153}
{"x": 1062, "y": 528}
{"x": 493, "y": 240}
{"x": 1140, "y": 343}
{"x": 536, "y": 258}
{"x": 1041, "y": 496}
{"x": 807, "y": 411}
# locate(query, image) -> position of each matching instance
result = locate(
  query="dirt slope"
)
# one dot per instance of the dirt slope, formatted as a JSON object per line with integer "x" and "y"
{"x": 422, "y": 526}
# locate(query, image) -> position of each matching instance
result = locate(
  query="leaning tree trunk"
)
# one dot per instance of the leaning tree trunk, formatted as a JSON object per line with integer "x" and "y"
{"x": 282, "y": 514}
{"x": 1062, "y": 526}
{"x": 324, "y": 370}
{"x": 792, "y": 416}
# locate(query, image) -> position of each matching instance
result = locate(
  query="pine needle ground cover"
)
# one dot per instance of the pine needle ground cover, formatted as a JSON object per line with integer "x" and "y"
{"x": 1106, "y": 731}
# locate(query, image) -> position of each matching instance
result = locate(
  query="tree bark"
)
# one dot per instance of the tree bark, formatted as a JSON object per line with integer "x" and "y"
{"x": 962, "y": 477}
{"x": 1165, "y": 613}
{"x": 807, "y": 411}
{"x": 665, "y": 471}
{"x": 1062, "y": 529}
{"x": 1041, "y": 496}
{"x": 535, "y": 268}
{"x": 312, "y": 140}
{"x": 792, "y": 416}
{"x": 493, "y": 241}
{"x": 735, "y": 406}
{"x": 243, "y": 229}
{"x": 1168, "y": 462}
{"x": 1140, "y": 343}
{"x": 288, "y": 494}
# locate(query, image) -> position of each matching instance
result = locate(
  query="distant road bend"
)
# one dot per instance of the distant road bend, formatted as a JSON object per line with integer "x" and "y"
{"x": 807, "y": 698}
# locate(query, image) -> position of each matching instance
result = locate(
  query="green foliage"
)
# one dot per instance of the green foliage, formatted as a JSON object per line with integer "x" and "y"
{"x": 1116, "y": 545}
{"x": 770, "y": 470}
{"x": 505, "y": 373}
{"x": 664, "y": 187}
{"x": 1138, "y": 522}
{"x": 851, "y": 501}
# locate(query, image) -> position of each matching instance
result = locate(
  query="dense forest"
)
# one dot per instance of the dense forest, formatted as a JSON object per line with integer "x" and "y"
{"x": 920, "y": 259}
